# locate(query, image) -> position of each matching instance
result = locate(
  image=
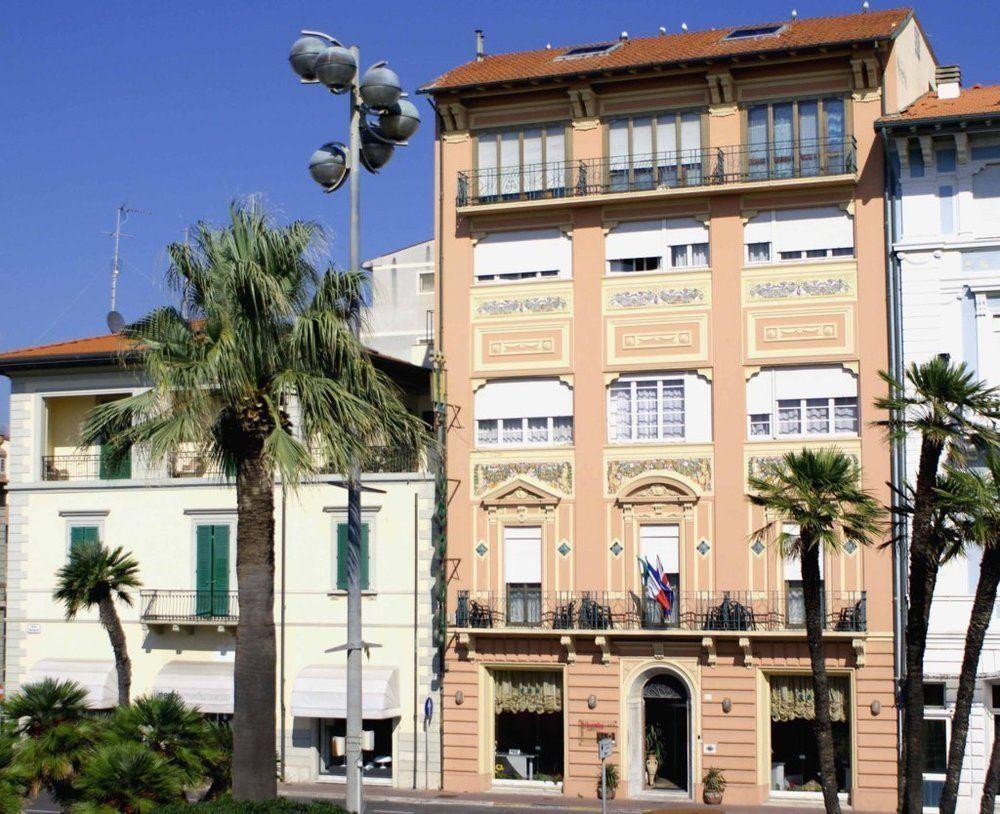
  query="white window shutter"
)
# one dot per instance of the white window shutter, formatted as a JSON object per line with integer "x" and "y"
{"x": 523, "y": 398}
{"x": 684, "y": 231}
{"x": 814, "y": 382}
{"x": 661, "y": 541}
{"x": 635, "y": 239}
{"x": 522, "y": 555}
{"x": 820, "y": 227}
{"x": 523, "y": 251}
{"x": 760, "y": 228}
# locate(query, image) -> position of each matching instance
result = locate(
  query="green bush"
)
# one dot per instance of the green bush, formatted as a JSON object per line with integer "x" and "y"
{"x": 228, "y": 806}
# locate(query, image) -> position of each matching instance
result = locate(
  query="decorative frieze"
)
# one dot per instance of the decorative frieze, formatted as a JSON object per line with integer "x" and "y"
{"x": 791, "y": 289}
{"x": 760, "y": 465}
{"x": 557, "y": 474}
{"x": 522, "y": 305}
{"x": 695, "y": 468}
{"x": 644, "y": 298}
{"x": 512, "y": 347}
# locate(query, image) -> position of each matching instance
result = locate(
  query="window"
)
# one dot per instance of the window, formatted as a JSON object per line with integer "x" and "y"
{"x": 674, "y": 406}
{"x": 425, "y": 282}
{"x": 342, "y": 556}
{"x": 521, "y": 163}
{"x": 80, "y": 534}
{"x": 935, "y": 759}
{"x": 518, "y": 412}
{"x": 797, "y": 138}
{"x": 802, "y": 401}
{"x": 651, "y": 245}
{"x": 522, "y": 568}
{"x": 933, "y": 694}
{"x": 796, "y": 235}
{"x": 524, "y": 255}
{"x": 584, "y": 51}
{"x": 646, "y": 152}
{"x": 212, "y": 567}
{"x": 754, "y": 32}
{"x": 659, "y": 545}
{"x": 795, "y": 601}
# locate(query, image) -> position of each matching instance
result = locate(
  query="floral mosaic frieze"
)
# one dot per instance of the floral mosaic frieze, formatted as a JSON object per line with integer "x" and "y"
{"x": 761, "y": 465}
{"x": 522, "y": 305}
{"x": 656, "y": 296}
{"x": 695, "y": 468}
{"x": 788, "y": 289}
{"x": 557, "y": 474}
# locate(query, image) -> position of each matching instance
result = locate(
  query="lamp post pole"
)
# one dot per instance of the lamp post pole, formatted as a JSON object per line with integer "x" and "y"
{"x": 355, "y": 797}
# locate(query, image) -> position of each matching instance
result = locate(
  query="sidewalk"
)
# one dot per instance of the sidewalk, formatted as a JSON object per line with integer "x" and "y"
{"x": 443, "y": 801}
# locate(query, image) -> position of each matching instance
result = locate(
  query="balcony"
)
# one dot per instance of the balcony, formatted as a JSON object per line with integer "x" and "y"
{"x": 83, "y": 467}
{"x": 694, "y": 611}
{"x": 660, "y": 173}
{"x": 178, "y": 610}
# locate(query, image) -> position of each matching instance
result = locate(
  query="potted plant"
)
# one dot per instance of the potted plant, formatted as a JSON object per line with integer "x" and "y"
{"x": 610, "y": 781}
{"x": 654, "y": 754}
{"x": 713, "y": 787}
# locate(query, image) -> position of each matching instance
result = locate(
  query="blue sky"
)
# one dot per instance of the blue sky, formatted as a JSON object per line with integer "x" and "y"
{"x": 180, "y": 107}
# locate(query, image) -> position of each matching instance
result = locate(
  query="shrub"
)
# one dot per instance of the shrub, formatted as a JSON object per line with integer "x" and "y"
{"x": 225, "y": 805}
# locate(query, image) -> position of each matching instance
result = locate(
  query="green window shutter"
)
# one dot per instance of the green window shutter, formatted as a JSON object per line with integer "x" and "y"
{"x": 364, "y": 557}
{"x": 203, "y": 570}
{"x": 82, "y": 534}
{"x": 114, "y": 470}
{"x": 342, "y": 556}
{"x": 220, "y": 570}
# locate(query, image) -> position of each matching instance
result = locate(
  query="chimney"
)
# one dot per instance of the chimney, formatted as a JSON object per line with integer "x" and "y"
{"x": 479, "y": 45}
{"x": 949, "y": 81}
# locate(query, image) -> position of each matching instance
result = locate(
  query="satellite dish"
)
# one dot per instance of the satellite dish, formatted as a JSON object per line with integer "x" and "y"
{"x": 116, "y": 322}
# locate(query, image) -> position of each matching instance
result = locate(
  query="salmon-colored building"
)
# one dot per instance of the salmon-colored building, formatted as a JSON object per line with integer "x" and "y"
{"x": 662, "y": 263}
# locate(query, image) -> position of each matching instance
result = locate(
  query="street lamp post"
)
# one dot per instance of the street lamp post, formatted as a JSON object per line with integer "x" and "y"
{"x": 319, "y": 58}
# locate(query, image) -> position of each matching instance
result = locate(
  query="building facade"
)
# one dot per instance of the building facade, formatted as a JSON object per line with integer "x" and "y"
{"x": 179, "y": 521}
{"x": 945, "y": 159}
{"x": 401, "y": 316}
{"x": 663, "y": 265}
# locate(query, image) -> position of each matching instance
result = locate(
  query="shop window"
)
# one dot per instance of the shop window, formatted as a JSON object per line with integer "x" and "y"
{"x": 794, "y": 751}
{"x": 376, "y": 748}
{"x": 528, "y": 726}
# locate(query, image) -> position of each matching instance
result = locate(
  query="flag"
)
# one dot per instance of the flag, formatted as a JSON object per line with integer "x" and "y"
{"x": 656, "y": 584}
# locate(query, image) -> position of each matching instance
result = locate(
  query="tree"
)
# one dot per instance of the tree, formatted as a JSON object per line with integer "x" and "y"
{"x": 128, "y": 778}
{"x": 98, "y": 576}
{"x": 179, "y": 733}
{"x": 975, "y": 498}
{"x": 947, "y": 408}
{"x": 991, "y": 786}
{"x": 55, "y": 736}
{"x": 259, "y": 327}
{"x": 819, "y": 491}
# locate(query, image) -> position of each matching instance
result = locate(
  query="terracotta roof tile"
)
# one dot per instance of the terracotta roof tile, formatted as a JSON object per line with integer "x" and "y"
{"x": 104, "y": 345}
{"x": 974, "y": 101}
{"x": 673, "y": 48}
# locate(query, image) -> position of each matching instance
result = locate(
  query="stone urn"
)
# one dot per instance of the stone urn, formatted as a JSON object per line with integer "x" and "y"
{"x": 652, "y": 767}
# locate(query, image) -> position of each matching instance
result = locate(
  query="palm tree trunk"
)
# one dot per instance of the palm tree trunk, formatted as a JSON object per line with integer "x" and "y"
{"x": 123, "y": 665}
{"x": 924, "y": 561}
{"x": 254, "y": 720}
{"x": 982, "y": 611}
{"x": 992, "y": 784}
{"x": 812, "y": 589}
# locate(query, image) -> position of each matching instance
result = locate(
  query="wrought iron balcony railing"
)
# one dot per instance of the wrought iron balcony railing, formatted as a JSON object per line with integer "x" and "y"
{"x": 739, "y": 164}
{"x": 84, "y": 467}
{"x": 528, "y": 607}
{"x": 188, "y": 607}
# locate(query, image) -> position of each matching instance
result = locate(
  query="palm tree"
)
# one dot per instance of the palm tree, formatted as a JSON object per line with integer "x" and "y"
{"x": 991, "y": 786}
{"x": 126, "y": 777}
{"x": 177, "y": 732}
{"x": 819, "y": 491}
{"x": 12, "y": 789}
{"x": 55, "y": 736}
{"x": 96, "y": 575}
{"x": 975, "y": 497}
{"x": 259, "y": 327}
{"x": 947, "y": 408}
{"x": 220, "y": 769}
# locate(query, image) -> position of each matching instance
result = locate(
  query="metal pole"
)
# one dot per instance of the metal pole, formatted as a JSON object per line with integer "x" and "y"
{"x": 355, "y": 797}
{"x": 604, "y": 788}
{"x": 281, "y": 681}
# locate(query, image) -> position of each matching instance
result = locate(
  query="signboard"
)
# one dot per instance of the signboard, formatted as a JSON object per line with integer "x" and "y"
{"x": 605, "y": 746}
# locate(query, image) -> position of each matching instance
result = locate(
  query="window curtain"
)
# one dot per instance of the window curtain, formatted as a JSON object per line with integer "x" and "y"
{"x": 520, "y": 691}
{"x": 792, "y": 698}
{"x": 757, "y": 132}
{"x": 836, "y": 155}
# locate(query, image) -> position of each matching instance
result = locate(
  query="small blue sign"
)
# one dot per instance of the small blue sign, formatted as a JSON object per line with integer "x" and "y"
{"x": 428, "y": 708}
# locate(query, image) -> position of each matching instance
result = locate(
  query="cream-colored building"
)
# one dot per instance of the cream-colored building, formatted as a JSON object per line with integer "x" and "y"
{"x": 179, "y": 521}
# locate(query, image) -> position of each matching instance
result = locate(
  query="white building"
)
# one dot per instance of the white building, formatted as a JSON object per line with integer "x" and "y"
{"x": 945, "y": 154}
{"x": 401, "y": 318}
{"x": 179, "y": 521}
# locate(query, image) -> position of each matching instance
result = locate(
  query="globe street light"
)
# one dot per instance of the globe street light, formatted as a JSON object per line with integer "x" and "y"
{"x": 318, "y": 58}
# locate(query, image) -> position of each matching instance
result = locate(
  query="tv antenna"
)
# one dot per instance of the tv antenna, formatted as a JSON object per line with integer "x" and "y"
{"x": 116, "y": 322}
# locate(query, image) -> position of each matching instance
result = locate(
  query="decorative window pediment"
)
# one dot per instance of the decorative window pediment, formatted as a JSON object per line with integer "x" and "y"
{"x": 655, "y": 489}
{"x": 520, "y": 492}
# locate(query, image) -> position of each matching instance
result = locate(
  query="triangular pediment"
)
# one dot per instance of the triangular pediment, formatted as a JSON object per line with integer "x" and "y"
{"x": 520, "y": 492}
{"x": 656, "y": 489}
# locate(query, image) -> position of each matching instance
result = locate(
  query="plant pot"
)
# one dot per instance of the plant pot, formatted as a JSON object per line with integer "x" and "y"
{"x": 652, "y": 767}
{"x": 609, "y": 796}
{"x": 712, "y": 797}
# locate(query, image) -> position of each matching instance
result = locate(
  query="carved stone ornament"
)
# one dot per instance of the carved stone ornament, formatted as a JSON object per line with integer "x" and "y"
{"x": 695, "y": 468}
{"x": 555, "y": 474}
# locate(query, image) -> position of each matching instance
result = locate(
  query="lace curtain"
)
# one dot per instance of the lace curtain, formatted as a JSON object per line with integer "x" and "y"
{"x": 521, "y": 691}
{"x": 792, "y": 698}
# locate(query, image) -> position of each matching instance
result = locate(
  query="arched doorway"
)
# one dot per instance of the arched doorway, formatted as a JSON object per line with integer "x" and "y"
{"x": 666, "y": 727}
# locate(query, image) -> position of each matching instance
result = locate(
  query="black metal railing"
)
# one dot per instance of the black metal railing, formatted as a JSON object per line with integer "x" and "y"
{"x": 84, "y": 467}
{"x": 189, "y": 606}
{"x": 739, "y": 164}
{"x": 530, "y": 607}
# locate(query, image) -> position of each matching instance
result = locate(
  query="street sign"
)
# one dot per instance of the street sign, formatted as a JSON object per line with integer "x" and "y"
{"x": 428, "y": 708}
{"x": 605, "y": 746}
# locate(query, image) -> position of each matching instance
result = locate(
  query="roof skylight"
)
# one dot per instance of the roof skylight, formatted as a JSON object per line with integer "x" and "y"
{"x": 584, "y": 51}
{"x": 753, "y": 32}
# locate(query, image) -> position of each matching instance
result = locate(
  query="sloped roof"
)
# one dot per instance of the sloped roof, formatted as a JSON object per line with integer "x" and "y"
{"x": 978, "y": 100}
{"x": 674, "y": 48}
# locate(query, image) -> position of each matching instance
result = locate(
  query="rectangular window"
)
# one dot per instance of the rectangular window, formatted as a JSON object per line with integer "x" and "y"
{"x": 524, "y": 163}
{"x": 646, "y": 410}
{"x": 798, "y": 138}
{"x": 629, "y": 264}
{"x": 522, "y": 568}
{"x": 675, "y": 243}
{"x": 522, "y": 255}
{"x": 516, "y": 412}
{"x": 813, "y": 416}
{"x": 425, "y": 282}
{"x": 946, "y": 202}
{"x": 935, "y": 760}
{"x": 795, "y": 601}
{"x": 933, "y": 694}
{"x": 649, "y": 152}
{"x": 80, "y": 534}
{"x": 659, "y": 545}
{"x": 802, "y": 401}
{"x": 517, "y": 431}
{"x": 797, "y": 235}
{"x": 212, "y": 564}
{"x": 342, "y": 557}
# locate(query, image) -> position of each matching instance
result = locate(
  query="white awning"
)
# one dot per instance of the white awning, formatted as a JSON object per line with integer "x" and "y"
{"x": 523, "y": 251}
{"x": 320, "y": 691}
{"x": 98, "y": 677}
{"x": 524, "y": 398}
{"x": 206, "y": 685}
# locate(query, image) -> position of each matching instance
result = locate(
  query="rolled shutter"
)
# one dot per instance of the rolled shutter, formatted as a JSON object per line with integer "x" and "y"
{"x": 636, "y": 239}
{"x": 819, "y": 227}
{"x": 523, "y": 251}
